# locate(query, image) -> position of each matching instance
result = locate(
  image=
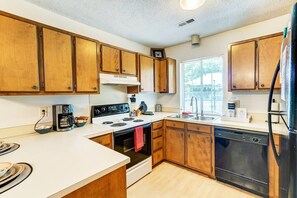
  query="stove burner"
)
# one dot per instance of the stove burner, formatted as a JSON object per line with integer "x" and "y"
{"x": 138, "y": 120}
{"x": 8, "y": 148}
{"x": 128, "y": 119}
{"x": 118, "y": 124}
{"x": 107, "y": 122}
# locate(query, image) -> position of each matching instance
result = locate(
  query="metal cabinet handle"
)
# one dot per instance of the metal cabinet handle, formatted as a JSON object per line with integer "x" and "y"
{"x": 34, "y": 87}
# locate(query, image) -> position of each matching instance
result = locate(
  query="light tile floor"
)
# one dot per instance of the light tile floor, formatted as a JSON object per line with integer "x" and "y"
{"x": 171, "y": 181}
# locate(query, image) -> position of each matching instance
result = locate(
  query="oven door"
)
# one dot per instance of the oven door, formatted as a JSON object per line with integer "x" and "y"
{"x": 124, "y": 143}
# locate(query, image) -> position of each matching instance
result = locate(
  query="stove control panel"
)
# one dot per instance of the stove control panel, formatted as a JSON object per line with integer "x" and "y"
{"x": 107, "y": 110}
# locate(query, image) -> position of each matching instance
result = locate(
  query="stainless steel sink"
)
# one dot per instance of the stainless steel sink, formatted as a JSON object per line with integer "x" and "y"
{"x": 182, "y": 116}
{"x": 204, "y": 118}
{"x": 192, "y": 117}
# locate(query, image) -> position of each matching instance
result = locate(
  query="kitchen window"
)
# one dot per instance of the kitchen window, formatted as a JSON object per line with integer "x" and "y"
{"x": 203, "y": 78}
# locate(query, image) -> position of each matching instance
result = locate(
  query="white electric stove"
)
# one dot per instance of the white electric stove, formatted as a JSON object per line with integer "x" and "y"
{"x": 116, "y": 117}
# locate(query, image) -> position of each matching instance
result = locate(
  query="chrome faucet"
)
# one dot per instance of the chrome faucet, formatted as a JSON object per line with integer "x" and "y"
{"x": 196, "y": 105}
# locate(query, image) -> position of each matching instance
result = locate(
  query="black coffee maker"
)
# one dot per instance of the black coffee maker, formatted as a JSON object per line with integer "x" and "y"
{"x": 63, "y": 119}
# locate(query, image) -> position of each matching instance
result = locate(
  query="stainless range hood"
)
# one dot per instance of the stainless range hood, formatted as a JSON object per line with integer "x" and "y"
{"x": 112, "y": 79}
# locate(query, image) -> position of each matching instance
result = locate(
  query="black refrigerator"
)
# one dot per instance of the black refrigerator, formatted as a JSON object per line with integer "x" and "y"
{"x": 287, "y": 156}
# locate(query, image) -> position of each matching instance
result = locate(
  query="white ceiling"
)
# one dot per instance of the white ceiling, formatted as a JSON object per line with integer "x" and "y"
{"x": 154, "y": 23}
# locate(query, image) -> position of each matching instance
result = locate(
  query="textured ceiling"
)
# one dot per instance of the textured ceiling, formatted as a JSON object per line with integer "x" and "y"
{"x": 154, "y": 23}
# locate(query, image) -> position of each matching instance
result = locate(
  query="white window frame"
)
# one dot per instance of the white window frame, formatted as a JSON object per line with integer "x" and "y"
{"x": 182, "y": 83}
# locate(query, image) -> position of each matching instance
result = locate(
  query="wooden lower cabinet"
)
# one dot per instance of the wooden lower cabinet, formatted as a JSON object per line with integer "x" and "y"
{"x": 190, "y": 145}
{"x": 110, "y": 185}
{"x": 175, "y": 145}
{"x": 157, "y": 142}
{"x": 105, "y": 140}
{"x": 273, "y": 170}
{"x": 199, "y": 152}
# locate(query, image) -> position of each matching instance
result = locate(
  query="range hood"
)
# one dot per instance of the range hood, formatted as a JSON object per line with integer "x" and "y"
{"x": 112, "y": 79}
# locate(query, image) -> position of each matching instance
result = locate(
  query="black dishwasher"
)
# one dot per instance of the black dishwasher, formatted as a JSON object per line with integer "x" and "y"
{"x": 241, "y": 159}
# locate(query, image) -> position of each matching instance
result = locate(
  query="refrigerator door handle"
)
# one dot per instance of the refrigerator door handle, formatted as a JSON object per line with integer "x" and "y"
{"x": 270, "y": 98}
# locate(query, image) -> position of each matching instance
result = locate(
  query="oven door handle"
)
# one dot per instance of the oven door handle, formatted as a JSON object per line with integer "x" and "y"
{"x": 130, "y": 130}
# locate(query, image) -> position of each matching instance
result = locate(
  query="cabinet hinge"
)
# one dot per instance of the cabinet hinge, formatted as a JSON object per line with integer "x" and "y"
{"x": 74, "y": 41}
{"x": 256, "y": 84}
{"x": 256, "y": 44}
{"x": 42, "y": 84}
{"x": 40, "y": 33}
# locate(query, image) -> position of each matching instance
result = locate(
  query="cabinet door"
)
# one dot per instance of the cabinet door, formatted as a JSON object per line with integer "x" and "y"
{"x": 128, "y": 63}
{"x": 163, "y": 76}
{"x": 86, "y": 66}
{"x": 146, "y": 74}
{"x": 19, "y": 56}
{"x": 110, "y": 59}
{"x": 157, "y": 75}
{"x": 199, "y": 152}
{"x": 57, "y": 53}
{"x": 243, "y": 66}
{"x": 174, "y": 145}
{"x": 171, "y": 77}
{"x": 269, "y": 55}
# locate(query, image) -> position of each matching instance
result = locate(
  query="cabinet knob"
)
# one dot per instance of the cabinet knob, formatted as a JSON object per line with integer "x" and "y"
{"x": 69, "y": 88}
{"x": 34, "y": 87}
{"x": 189, "y": 135}
{"x": 182, "y": 135}
{"x": 198, "y": 128}
{"x": 124, "y": 70}
{"x": 234, "y": 86}
{"x": 262, "y": 85}
{"x": 94, "y": 88}
{"x": 117, "y": 69}
{"x": 142, "y": 89}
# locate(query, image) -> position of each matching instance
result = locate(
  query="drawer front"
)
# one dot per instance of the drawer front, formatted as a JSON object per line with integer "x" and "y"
{"x": 105, "y": 140}
{"x": 157, "y": 133}
{"x": 157, "y": 125}
{"x": 158, "y": 156}
{"x": 199, "y": 128}
{"x": 173, "y": 124}
{"x": 157, "y": 143}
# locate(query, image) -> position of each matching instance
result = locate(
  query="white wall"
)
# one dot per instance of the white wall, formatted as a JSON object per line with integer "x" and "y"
{"x": 218, "y": 45}
{"x": 24, "y": 110}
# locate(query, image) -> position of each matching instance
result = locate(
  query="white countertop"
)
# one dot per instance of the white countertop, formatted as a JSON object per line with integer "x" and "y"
{"x": 65, "y": 161}
{"x": 260, "y": 126}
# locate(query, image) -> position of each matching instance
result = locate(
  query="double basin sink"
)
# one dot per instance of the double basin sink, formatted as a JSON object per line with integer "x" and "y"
{"x": 193, "y": 117}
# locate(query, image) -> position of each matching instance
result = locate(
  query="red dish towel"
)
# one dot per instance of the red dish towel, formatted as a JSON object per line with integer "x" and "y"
{"x": 138, "y": 138}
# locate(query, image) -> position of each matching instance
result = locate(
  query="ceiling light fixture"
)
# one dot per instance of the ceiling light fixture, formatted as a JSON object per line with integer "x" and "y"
{"x": 191, "y": 4}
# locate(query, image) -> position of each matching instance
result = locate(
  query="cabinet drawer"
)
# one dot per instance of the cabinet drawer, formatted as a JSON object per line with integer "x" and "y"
{"x": 157, "y": 133}
{"x": 199, "y": 128}
{"x": 105, "y": 140}
{"x": 158, "y": 156}
{"x": 175, "y": 124}
{"x": 157, "y": 143}
{"x": 157, "y": 125}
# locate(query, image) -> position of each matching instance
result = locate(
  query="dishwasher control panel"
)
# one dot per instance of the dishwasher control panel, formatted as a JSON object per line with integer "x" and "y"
{"x": 242, "y": 135}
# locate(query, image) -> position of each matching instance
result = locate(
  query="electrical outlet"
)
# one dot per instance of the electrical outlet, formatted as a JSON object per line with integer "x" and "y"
{"x": 45, "y": 110}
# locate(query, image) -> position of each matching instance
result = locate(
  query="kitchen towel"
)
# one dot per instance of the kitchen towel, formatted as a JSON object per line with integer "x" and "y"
{"x": 138, "y": 138}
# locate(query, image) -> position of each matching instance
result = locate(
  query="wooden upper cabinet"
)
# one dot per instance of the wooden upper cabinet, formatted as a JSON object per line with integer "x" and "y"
{"x": 166, "y": 76}
{"x": 157, "y": 75}
{"x": 19, "y": 56}
{"x": 171, "y": 77}
{"x": 175, "y": 145}
{"x": 242, "y": 68}
{"x": 269, "y": 55}
{"x": 163, "y": 83}
{"x": 86, "y": 65}
{"x": 110, "y": 58}
{"x": 146, "y": 74}
{"x": 128, "y": 63}
{"x": 57, "y": 53}
{"x": 199, "y": 152}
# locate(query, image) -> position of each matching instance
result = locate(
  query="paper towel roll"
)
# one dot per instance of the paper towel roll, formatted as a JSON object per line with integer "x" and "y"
{"x": 275, "y": 107}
